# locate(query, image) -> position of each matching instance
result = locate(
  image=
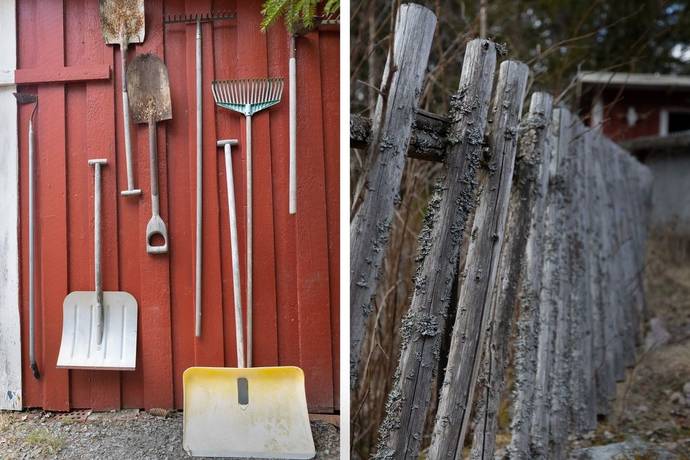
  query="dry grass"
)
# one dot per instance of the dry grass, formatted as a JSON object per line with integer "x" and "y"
{"x": 46, "y": 441}
{"x": 5, "y": 421}
{"x": 382, "y": 344}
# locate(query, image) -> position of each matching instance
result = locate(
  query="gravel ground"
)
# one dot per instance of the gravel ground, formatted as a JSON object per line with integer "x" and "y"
{"x": 128, "y": 434}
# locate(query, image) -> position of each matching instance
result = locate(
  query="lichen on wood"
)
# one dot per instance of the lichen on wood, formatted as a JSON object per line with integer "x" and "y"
{"x": 401, "y": 432}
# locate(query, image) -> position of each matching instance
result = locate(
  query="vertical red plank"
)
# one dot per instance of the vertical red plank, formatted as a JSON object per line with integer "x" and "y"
{"x": 155, "y": 344}
{"x": 100, "y": 143}
{"x": 312, "y": 236}
{"x": 227, "y": 126}
{"x": 27, "y": 57}
{"x": 79, "y": 221}
{"x": 129, "y": 234}
{"x": 52, "y": 200}
{"x": 80, "y": 235}
{"x": 330, "y": 90}
{"x": 286, "y": 268}
{"x": 181, "y": 197}
{"x": 252, "y": 63}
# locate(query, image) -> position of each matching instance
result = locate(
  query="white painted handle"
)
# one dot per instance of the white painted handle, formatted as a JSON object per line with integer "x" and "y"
{"x": 293, "y": 135}
{"x": 235, "y": 252}
{"x": 199, "y": 186}
{"x": 248, "y": 143}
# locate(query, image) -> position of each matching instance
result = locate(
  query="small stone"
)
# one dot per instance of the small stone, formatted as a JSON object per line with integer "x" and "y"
{"x": 677, "y": 398}
{"x": 159, "y": 412}
{"x": 658, "y": 336}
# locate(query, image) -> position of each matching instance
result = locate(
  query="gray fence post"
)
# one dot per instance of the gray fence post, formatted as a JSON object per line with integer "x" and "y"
{"x": 400, "y": 434}
{"x": 477, "y": 283}
{"x": 391, "y": 132}
{"x": 530, "y": 286}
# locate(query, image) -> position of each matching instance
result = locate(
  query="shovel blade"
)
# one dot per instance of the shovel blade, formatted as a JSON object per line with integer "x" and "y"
{"x": 148, "y": 87}
{"x": 79, "y": 348}
{"x": 118, "y": 16}
{"x": 256, "y": 412}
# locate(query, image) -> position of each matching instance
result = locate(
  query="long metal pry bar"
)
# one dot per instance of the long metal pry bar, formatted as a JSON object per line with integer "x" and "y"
{"x": 198, "y": 19}
{"x": 25, "y": 98}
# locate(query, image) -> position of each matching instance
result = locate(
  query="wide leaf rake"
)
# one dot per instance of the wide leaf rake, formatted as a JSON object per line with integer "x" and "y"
{"x": 248, "y": 97}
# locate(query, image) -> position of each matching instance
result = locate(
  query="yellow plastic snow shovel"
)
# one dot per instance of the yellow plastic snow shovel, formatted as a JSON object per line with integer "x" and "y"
{"x": 245, "y": 412}
{"x": 99, "y": 329}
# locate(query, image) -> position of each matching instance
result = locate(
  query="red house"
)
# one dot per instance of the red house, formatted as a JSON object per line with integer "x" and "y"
{"x": 649, "y": 114}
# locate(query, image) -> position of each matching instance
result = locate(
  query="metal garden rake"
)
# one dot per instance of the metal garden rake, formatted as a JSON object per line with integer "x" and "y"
{"x": 248, "y": 97}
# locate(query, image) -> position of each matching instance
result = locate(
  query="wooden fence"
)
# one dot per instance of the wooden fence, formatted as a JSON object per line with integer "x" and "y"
{"x": 533, "y": 241}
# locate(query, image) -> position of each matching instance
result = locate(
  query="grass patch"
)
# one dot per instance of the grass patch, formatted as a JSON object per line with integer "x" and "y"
{"x": 5, "y": 421}
{"x": 48, "y": 442}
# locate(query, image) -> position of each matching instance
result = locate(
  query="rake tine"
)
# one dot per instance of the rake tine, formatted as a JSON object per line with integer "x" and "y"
{"x": 277, "y": 89}
{"x": 201, "y": 17}
{"x": 214, "y": 90}
{"x": 250, "y": 92}
{"x": 223, "y": 87}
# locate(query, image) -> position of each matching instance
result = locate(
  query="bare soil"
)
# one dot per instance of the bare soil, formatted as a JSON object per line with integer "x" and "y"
{"x": 648, "y": 406}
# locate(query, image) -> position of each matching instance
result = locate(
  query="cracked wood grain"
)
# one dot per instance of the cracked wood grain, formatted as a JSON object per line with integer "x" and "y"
{"x": 478, "y": 280}
{"x": 400, "y": 434}
{"x": 391, "y": 132}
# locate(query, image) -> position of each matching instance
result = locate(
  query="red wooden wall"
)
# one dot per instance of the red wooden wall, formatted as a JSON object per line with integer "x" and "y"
{"x": 296, "y": 257}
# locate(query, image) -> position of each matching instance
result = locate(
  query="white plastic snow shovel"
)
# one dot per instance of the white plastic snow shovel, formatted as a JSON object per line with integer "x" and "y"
{"x": 99, "y": 329}
{"x": 245, "y": 412}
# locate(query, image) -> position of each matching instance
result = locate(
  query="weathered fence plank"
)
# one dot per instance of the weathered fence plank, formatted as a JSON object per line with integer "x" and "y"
{"x": 525, "y": 216}
{"x": 602, "y": 358}
{"x": 391, "y": 132}
{"x": 533, "y": 162}
{"x": 550, "y": 299}
{"x": 582, "y": 380}
{"x": 400, "y": 434}
{"x": 479, "y": 277}
{"x": 561, "y": 396}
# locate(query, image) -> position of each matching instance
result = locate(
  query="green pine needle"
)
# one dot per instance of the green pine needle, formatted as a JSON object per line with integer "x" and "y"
{"x": 296, "y": 13}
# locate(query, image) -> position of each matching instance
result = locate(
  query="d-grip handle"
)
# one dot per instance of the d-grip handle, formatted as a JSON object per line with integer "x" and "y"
{"x": 156, "y": 226}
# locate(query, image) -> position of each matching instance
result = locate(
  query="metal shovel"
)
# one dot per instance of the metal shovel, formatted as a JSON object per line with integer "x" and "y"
{"x": 239, "y": 412}
{"x": 122, "y": 23}
{"x": 149, "y": 90}
{"x": 99, "y": 329}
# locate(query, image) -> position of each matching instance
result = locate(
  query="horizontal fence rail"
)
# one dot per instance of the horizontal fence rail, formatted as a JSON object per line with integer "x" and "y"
{"x": 533, "y": 241}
